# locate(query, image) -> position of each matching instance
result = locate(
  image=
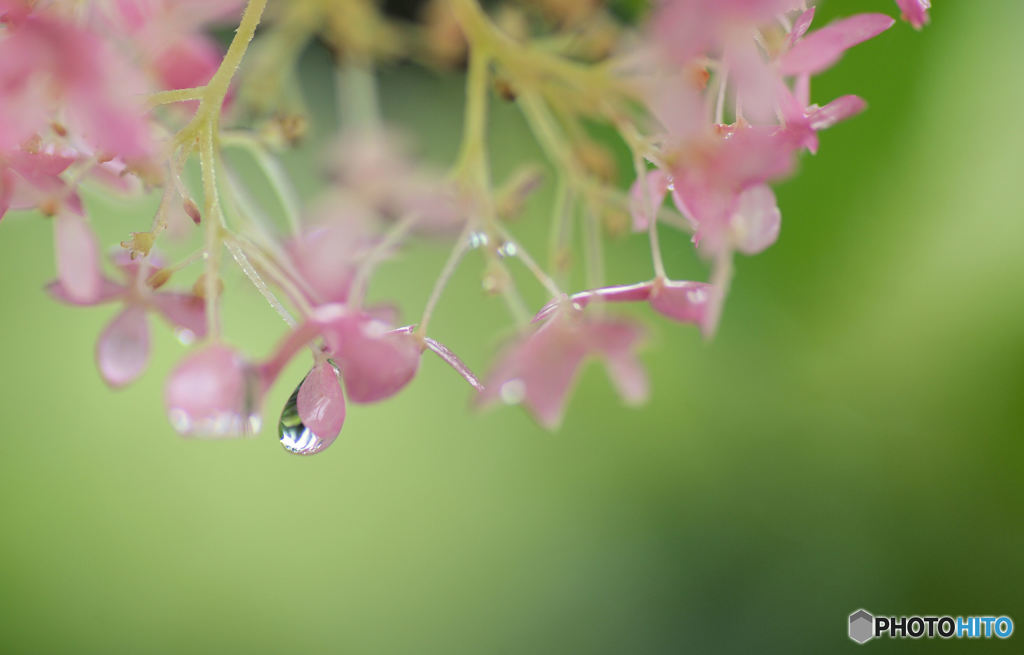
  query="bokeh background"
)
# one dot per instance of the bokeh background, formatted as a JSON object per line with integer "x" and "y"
{"x": 852, "y": 437}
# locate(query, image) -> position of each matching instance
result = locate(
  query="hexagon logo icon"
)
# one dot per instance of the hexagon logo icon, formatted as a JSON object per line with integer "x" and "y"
{"x": 862, "y": 626}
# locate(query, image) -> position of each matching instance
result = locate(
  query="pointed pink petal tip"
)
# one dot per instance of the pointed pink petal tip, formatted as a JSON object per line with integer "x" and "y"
{"x": 822, "y": 48}
{"x": 77, "y": 255}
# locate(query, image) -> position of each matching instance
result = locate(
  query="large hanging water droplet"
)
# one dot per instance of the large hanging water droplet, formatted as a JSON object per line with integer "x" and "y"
{"x": 295, "y": 436}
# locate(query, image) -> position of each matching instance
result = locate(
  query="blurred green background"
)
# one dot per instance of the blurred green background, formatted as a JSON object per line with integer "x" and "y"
{"x": 851, "y": 438}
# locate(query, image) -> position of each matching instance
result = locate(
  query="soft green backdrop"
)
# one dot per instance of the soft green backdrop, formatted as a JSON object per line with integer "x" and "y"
{"x": 852, "y": 438}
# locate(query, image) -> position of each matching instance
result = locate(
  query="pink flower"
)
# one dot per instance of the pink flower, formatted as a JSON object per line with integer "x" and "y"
{"x": 721, "y": 189}
{"x": 329, "y": 252}
{"x": 376, "y": 167}
{"x": 29, "y": 179}
{"x": 168, "y": 36}
{"x": 687, "y": 28}
{"x": 48, "y": 63}
{"x": 915, "y": 12}
{"x": 538, "y": 370}
{"x": 122, "y": 350}
{"x": 374, "y": 361}
{"x": 215, "y": 392}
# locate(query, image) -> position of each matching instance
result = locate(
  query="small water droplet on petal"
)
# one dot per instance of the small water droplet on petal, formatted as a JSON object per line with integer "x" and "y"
{"x": 185, "y": 336}
{"x": 513, "y": 392}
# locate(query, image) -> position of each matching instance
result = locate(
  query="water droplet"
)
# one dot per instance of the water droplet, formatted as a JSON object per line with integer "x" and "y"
{"x": 185, "y": 336}
{"x": 508, "y": 249}
{"x": 513, "y": 392}
{"x": 477, "y": 239}
{"x": 697, "y": 296}
{"x": 295, "y": 436}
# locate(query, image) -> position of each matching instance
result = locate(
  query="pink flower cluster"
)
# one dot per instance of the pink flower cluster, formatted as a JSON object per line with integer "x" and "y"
{"x": 72, "y": 108}
{"x": 728, "y": 108}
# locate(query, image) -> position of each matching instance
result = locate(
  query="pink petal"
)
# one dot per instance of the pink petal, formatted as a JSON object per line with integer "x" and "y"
{"x": 123, "y": 348}
{"x": 108, "y": 291}
{"x": 214, "y": 392}
{"x": 320, "y": 405}
{"x": 800, "y": 26}
{"x": 539, "y": 369}
{"x": 375, "y": 362}
{"x": 617, "y": 341}
{"x": 838, "y": 110}
{"x": 538, "y": 372}
{"x": 328, "y": 254}
{"x": 915, "y": 12}
{"x": 657, "y": 186}
{"x": 188, "y": 62}
{"x": 755, "y": 225}
{"x": 77, "y": 255}
{"x": 755, "y": 81}
{"x": 185, "y": 311}
{"x": 686, "y": 302}
{"x": 822, "y": 48}
{"x": 33, "y": 177}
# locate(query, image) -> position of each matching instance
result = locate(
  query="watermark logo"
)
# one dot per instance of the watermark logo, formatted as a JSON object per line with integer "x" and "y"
{"x": 864, "y": 626}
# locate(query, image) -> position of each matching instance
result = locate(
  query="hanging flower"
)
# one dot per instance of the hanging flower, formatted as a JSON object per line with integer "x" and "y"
{"x": 122, "y": 351}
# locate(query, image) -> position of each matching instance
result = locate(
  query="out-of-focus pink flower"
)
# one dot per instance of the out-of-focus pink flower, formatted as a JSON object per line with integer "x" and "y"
{"x": 46, "y": 63}
{"x": 915, "y": 12}
{"x": 168, "y": 36}
{"x": 709, "y": 188}
{"x": 375, "y": 166}
{"x": 328, "y": 253}
{"x": 643, "y": 208}
{"x": 687, "y": 28}
{"x": 28, "y": 179}
{"x": 538, "y": 370}
{"x": 214, "y": 392}
{"x": 122, "y": 350}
